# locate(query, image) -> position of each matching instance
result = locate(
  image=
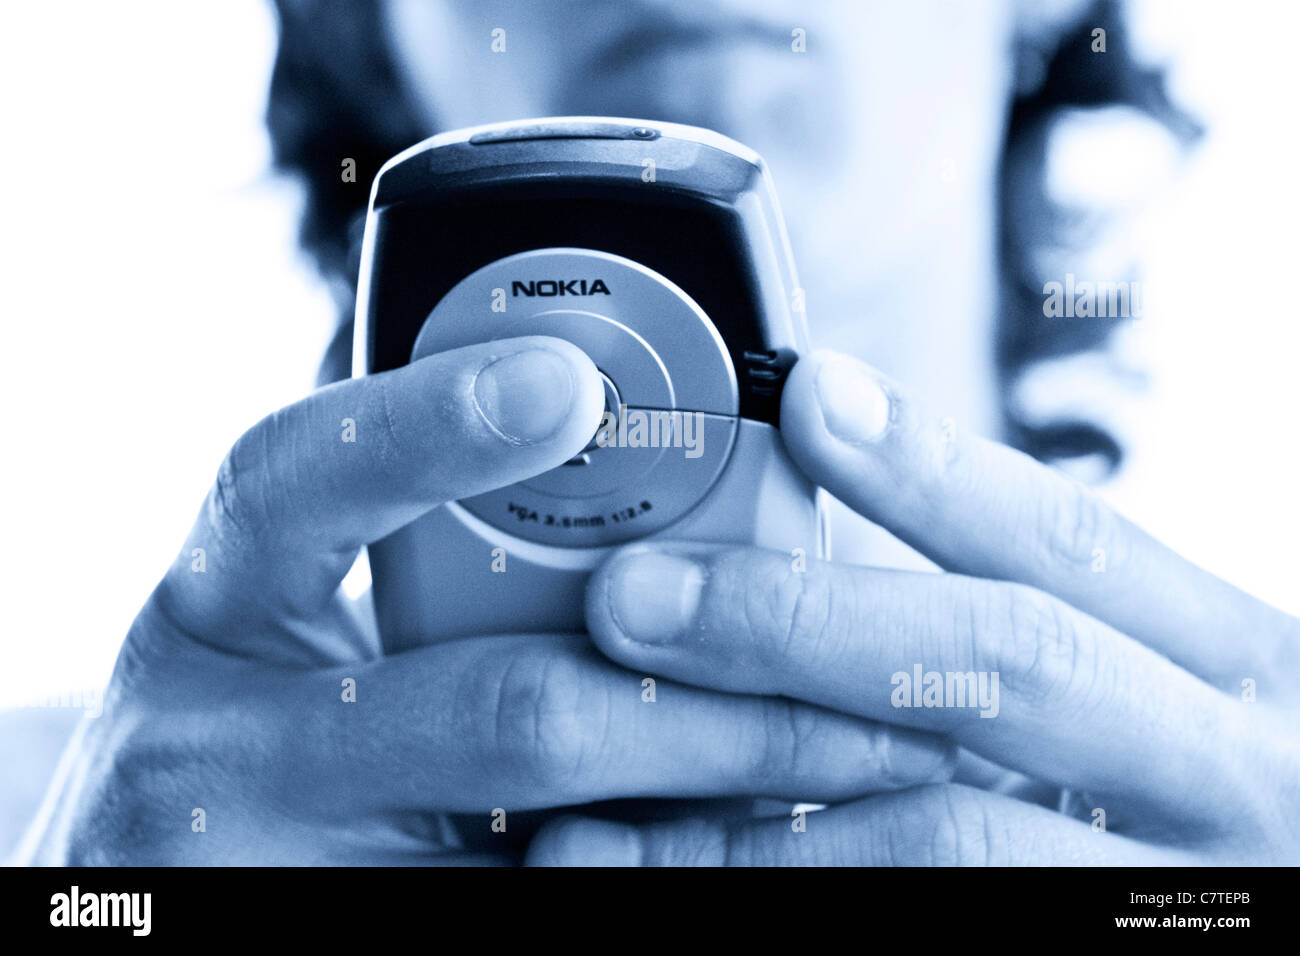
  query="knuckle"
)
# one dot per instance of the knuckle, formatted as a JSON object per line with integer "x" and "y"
{"x": 787, "y": 729}
{"x": 1035, "y": 643}
{"x": 385, "y": 409}
{"x": 132, "y": 785}
{"x": 544, "y": 717}
{"x": 238, "y": 505}
{"x": 884, "y": 753}
{"x": 158, "y": 754}
{"x": 787, "y": 612}
{"x": 397, "y": 411}
{"x": 695, "y": 842}
{"x": 954, "y": 827}
{"x": 1079, "y": 529}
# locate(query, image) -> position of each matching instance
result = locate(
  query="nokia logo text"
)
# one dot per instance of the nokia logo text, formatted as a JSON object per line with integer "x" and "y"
{"x": 560, "y": 287}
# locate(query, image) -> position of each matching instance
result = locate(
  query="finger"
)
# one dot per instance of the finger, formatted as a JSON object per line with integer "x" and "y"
{"x": 306, "y": 486}
{"x": 940, "y": 825}
{"x": 531, "y": 721}
{"x": 1074, "y": 701}
{"x": 980, "y": 508}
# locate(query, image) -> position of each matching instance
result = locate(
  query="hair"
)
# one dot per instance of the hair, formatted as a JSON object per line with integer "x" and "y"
{"x": 1072, "y": 77}
{"x": 336, "y": 93}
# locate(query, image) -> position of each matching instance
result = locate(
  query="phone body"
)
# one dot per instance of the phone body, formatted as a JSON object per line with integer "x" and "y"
{"x": 659, "y": 249}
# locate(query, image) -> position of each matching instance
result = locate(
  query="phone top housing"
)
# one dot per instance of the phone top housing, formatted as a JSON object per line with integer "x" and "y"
{"x": 688, "y": 203}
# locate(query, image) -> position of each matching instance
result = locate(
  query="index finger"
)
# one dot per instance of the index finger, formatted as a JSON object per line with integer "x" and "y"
{"x": 978, "y": 507}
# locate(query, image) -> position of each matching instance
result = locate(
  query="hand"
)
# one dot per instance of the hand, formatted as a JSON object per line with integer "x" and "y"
{"x": 226, "y": 737}
{"x": 1125, "y": 673}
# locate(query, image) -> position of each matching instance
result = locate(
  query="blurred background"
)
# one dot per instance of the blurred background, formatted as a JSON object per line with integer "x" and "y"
{"x": 156, "y": 303}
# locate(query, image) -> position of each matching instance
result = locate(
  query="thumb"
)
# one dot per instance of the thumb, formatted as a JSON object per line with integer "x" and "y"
{"x": 302, "y": 490}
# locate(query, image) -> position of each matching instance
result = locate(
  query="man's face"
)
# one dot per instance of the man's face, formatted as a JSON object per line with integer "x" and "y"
{"x": 882, "y": 124}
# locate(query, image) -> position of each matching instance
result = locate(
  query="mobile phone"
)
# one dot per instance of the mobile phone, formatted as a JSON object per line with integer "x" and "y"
{"x": 659, "y": 250}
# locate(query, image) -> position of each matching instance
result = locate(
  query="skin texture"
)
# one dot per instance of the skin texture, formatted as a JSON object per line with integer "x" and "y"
{"x": 228, "y": 695}
{"x": 1124, "y": 686}
{"x": 881, "y": 193}
{"x": 1150, "y": 722}
{"x": 771, "y": 680}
